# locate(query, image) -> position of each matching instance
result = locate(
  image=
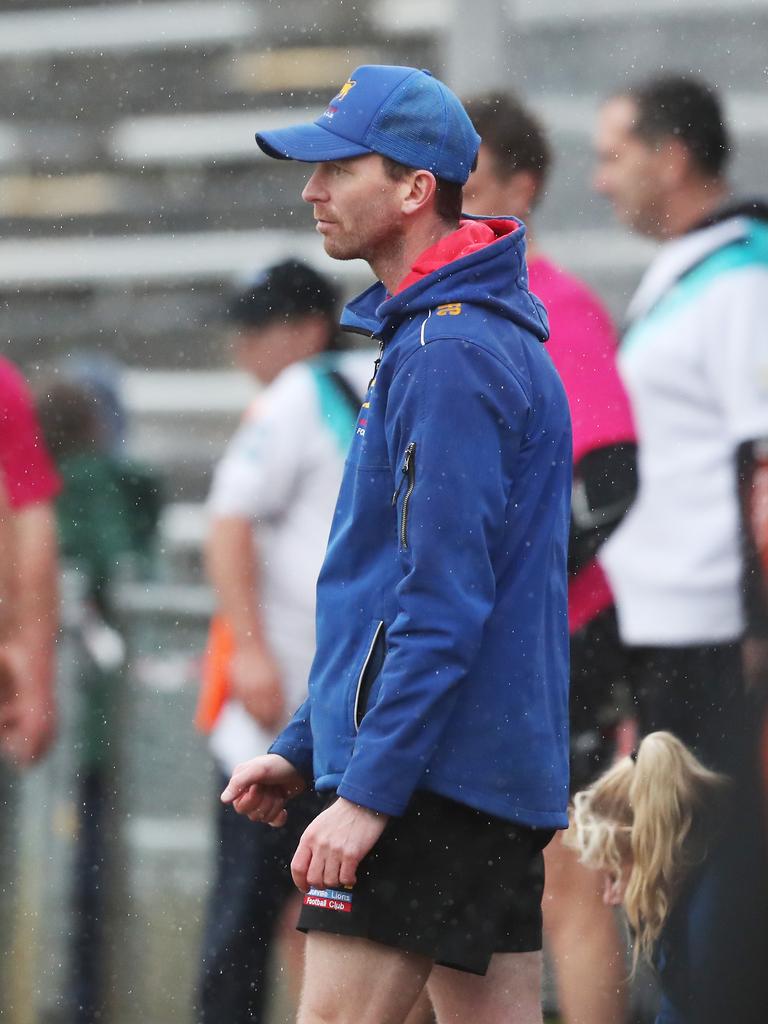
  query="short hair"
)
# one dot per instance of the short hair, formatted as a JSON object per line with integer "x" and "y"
{"x": 449, "y": 195}
{"x": 688, "y": 109}
{"x": 514, "y": 136}
{"x": 69, "y": 417}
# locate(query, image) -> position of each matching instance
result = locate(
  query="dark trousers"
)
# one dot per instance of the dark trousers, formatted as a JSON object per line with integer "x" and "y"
{"x": 697, "y": 693}
{"x": 252, "y": 885}
{"x": 90, "y": 889}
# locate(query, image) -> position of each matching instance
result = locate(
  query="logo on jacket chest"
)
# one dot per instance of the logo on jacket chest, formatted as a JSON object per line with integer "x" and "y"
{"x": 362, "y": 420}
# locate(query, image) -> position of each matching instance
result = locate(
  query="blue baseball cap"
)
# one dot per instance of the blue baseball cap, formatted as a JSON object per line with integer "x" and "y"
{"x": 403, "y": 113}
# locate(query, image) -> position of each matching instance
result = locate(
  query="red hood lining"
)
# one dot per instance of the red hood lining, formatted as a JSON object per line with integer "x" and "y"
{"x": 469, "y": 237}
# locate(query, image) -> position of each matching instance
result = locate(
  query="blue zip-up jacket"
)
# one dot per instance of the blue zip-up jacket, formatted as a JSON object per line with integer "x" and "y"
{"x": 442, "y": 635}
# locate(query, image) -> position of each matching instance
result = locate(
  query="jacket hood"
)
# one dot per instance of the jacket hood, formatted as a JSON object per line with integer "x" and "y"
{"x": 493, "y": 276}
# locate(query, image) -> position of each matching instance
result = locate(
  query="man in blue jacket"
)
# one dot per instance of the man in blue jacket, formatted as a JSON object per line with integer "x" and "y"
{"x": 437, "y": 712}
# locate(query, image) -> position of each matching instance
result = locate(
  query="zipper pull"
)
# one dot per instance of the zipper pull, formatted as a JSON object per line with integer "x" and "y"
{"x": 377, "y": 363}
{"x": 406, "y": 467}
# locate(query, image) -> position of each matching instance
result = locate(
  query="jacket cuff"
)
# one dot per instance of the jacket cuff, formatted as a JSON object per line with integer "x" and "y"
{"x": 299, "y": 757}
{"x": 373, "y": 801}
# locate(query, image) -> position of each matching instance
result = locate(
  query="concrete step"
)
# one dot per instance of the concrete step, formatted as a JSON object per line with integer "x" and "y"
{"x": 156, "y": 300}
{"x": 200, "y": 171}
{"x": 133, "y": 28}
{"x": 725, "y": 46}
{"x": 153, "y": 201}
{"x": 113, "y": 84}
{"x": 213, "y": 255}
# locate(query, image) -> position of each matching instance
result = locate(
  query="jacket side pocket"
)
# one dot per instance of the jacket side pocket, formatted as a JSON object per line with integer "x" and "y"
{"x": 371, "y": 667}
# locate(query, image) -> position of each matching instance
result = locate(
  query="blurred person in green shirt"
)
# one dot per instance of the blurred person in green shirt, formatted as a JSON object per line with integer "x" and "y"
{"x": 106, "y": 514}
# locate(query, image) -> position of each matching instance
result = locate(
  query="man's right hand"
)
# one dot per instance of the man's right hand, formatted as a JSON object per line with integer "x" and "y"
{"x": 27, "y": 713}
{"x": 256, "y": 683}
{"x": 260, "y": 788}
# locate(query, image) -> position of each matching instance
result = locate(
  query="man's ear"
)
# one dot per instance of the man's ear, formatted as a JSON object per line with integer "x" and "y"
{"x": 521, "y": 191}
{"x": 675, "y": 162}
{"x": 418, "y": 192}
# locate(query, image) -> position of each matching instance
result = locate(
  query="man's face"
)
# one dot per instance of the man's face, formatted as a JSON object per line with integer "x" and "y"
{"x": 628, "y": 170}
{"x": 488, "y": 194}
{"x": 357, "y": 207}
{"x": 266, "y": 351}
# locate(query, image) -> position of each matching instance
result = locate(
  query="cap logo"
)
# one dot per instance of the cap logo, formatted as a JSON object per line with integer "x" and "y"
{"x": 349, "y": 84}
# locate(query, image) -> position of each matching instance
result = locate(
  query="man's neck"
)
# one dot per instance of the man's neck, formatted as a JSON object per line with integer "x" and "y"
{"x": 394, "y": 263}
{"x": 532, "y": 250}
{"x": 692, "y": 205}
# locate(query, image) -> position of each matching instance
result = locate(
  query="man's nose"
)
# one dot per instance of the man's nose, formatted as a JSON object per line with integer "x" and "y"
{"x": 312, "y": 192}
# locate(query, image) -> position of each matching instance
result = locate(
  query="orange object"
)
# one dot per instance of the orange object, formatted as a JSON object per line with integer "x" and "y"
{"x": 215, "y": 687}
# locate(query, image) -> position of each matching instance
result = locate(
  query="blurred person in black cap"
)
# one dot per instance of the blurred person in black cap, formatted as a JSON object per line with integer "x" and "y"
{"x": 270, "y": 504}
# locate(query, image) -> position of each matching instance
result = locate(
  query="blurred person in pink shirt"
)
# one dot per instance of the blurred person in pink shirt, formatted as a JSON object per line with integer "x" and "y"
{"x": 513, "y": 162}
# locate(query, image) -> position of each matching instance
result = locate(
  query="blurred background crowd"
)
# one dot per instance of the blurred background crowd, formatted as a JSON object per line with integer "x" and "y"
{"x": 134, "y": 204}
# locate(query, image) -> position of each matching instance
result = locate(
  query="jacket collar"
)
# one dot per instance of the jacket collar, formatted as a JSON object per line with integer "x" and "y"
{"x": 492, "y": 275}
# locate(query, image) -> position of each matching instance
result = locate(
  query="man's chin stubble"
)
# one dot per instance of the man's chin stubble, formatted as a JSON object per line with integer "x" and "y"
{"x": 340, "y": 252}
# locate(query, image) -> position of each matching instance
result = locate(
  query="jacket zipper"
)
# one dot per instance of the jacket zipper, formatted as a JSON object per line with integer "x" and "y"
{"x": 359, "y": 710}
{"x": 408, "y": 476}
{"x": 377, "y": 363}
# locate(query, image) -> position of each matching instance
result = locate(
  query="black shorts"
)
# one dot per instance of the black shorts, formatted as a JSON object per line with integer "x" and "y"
{"x": 445, "y": 881}
{"x": 599, "y": 669}
{"x": 698, "y": 693}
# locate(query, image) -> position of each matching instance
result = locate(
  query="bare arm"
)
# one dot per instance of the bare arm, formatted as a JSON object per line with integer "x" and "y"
{"x": 6, "y": 555}
{"x": 7, "y": 673}
{"x": 234, "y": 574}
{"x": 753, "y": 497}
{"x": 36, "y": 622}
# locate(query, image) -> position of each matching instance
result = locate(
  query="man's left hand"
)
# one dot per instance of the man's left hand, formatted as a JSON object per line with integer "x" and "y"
{"x": 334, "y": 844}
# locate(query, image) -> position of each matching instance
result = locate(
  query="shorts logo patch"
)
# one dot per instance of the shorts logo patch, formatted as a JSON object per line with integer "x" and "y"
{"x": 329, "y": 899}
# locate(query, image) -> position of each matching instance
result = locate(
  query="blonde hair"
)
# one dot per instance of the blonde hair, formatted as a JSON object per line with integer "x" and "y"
{"x": 653, "y": 813}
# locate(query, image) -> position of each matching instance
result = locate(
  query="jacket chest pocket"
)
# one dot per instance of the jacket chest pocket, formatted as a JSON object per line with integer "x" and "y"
{"x": 369, "y": 672}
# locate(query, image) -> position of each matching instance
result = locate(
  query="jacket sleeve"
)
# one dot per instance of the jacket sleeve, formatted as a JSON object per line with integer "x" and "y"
{"x": 295, "y": 742}
{"x": 604, "y": 488}
{"x": 463, "y": 416}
